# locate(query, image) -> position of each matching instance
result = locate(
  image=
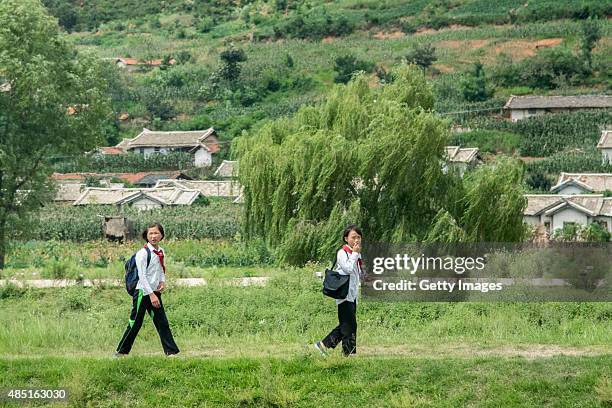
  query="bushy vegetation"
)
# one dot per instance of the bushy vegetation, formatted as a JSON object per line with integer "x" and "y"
{"x": 131, "y": 162}
{"x": 548, "y": 134}
{"x": 64, "y": 259}
{"x": 490, "y": 141}
{"x": 220, "y": 219}
{"x": 299, "y": 174}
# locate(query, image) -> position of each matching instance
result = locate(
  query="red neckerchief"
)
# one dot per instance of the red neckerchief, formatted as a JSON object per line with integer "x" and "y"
{"x": 160, "y": 255}
{"x": 348, "y": 250}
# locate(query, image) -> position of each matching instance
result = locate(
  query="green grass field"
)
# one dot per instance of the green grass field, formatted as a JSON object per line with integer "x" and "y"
{"x": 308, "y": 381}
{"x": 251, "y": 347}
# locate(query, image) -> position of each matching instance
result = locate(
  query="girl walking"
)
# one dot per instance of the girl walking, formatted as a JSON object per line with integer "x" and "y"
{"x": 348, "y": 262}
{"x": 151, "y": 274}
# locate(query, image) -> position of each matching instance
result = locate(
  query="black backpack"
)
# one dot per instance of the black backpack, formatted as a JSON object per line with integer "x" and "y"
{"x": 336, "y": 285}
{"x": 131, "y": 272}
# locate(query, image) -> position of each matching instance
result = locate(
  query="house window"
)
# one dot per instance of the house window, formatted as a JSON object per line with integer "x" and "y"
{"x": 547, "y": 226}
{"x": 142, "y": 150}
{"x": 157, "y": 150}
{"x": 532, "y": 111}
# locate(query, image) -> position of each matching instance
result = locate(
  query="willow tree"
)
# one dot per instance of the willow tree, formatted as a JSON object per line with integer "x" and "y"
{"x": 52, "y": 102}
{"x": 368, "y": 155}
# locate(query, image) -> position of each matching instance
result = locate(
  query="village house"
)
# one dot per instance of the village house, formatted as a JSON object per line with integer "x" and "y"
{"x": 582, "y": 183}
{"x": 460, "y": 159}
{"x": 521, "y": 107}
{"x": 227, "y": 169}
{"x": 70, "y": 186}
{"x": 605, "y": 145}
{"x": 202, "y": 144}
{"x": 555, "y": 211}
{"x": 142, "y": 199}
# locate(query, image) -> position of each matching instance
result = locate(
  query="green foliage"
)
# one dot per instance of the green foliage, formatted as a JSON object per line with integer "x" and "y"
{"x": 495, "y": 203}
{"x": 67, "y": 259}
{"x": 366, "y": 156}
{"x": 315, "y": 24}
{"x": 590, "y": 35}
{"x": 594, "y": 232}
{"x": 571, "y": 231}
{"x": 547, "y": 134}
{"x": 53, "y": 91}
{"x": 347, "y": 65}
{"x": 491, "y": 141}
{"x": 547, "y": 69}
{"x": 130, "y": 162}
{"x": 588, "y": 161}
{"x": 423, "y": 55}
{"x": 474, "y": 84}
{"x": 220, "y": 219}
{"x": 231, "y": 58}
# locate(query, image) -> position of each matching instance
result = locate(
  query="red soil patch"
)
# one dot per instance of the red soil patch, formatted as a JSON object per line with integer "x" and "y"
{"x": 381, "y": 35}
{"x": 457, "y": 44}
{"x": 520, "y": 49}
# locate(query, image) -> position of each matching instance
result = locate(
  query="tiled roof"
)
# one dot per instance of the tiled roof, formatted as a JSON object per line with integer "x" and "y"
{"x": 605, "y": 141}
{"x": 543, "y": 102}
{"x": 592, "y": 204}
{"x": 132, "y": 178}
{"x": 210, "y": 188}
{"x": 456, "y": 154}
{"x": 69, "y": 191}
{"x": 116, "y": 196}
{"x": 149, "y": 138}
{"x": 226, "y": 169}
{"x": 594, "y": 182}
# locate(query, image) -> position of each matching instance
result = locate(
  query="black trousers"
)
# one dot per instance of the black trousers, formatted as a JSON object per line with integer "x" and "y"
{"x": 346, "y": 331}
{"x": 140, "y": 305}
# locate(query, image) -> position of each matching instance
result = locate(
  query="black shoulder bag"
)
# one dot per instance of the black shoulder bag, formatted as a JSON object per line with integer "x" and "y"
{"x": 335, "y": 285}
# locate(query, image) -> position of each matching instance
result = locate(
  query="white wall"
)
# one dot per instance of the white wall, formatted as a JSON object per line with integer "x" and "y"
{"x": 568, "y": 215}
{"x": 151, "y": 150}
{"x": 533, "y": 220}
{"x": 203, "y": 158}
{"x": 145, "y": 204}
{"x": 571, "y": 190}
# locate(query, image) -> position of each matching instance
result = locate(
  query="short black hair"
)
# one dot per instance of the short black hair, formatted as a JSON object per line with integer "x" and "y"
{"x": 156, "y": 225}
{"x": 348, "y": 230}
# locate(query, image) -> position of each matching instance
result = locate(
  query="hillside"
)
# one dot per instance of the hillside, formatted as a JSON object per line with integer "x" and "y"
{"x": 290, "y": 51}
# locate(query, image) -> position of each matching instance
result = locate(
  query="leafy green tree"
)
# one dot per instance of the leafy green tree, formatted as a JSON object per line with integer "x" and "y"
{"x": 347, "y": 65}
{"x": 590, "y": 36}
{"x": 422, "y": 55}
{"x": 52, "y": 104}
{"x": 474, "y": 84}
{"x": 371, "y": 156}
{"x": 231, "y": 59}
{"x": 494, "y": 202}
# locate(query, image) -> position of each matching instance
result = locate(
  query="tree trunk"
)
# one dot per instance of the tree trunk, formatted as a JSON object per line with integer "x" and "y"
{"x": 2, "y": 241}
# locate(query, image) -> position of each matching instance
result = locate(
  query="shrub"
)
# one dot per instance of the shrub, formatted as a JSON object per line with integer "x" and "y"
{"x": 345, "y": 66}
